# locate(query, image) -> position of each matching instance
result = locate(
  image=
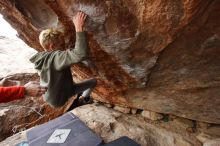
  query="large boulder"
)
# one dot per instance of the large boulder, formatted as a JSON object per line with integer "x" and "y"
{"x": 156, "y": 55}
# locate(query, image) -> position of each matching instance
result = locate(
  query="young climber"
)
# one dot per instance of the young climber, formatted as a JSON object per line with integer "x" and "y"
{"x": 54, "y": 64}
{"x": 9, "y": 93}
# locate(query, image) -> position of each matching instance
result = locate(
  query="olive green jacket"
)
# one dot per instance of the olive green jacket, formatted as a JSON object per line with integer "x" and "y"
{"x": 54, "y": 70}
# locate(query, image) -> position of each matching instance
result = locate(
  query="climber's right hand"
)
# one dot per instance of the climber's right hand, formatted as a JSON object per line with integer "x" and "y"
{"x": 79, "y": 20}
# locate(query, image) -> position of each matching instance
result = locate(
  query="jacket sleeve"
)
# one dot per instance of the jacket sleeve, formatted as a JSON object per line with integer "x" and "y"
{"x": 8, "y": 94}
{"x": 63, "y": 59}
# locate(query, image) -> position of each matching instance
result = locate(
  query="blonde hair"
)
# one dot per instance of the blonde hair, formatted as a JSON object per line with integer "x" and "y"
{"x": 50, "y": 36}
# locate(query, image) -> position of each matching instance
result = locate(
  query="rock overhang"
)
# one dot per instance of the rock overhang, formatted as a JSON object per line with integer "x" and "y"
{"x": 155, "y": 55}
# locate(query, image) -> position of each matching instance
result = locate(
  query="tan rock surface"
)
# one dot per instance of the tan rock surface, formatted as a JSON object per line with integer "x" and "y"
{"x": 125, "y": 110}
{"x": 215, "y": 142}
{"x": 111, "y": 124}
{"x": 151, "y": 115}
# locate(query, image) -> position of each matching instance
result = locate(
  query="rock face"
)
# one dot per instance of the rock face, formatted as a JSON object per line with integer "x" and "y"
{"x": 156, "y": 55}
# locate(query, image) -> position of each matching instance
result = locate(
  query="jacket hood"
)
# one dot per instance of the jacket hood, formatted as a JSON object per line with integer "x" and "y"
{"x": 38, "y": 59}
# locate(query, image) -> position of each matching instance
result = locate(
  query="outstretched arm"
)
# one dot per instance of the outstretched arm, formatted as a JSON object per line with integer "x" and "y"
{"x": 66, "y": 58}
{"x": 11, "y": 93}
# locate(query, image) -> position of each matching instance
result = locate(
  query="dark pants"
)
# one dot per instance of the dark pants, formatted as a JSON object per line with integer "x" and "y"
{"x": 83, "y": 89}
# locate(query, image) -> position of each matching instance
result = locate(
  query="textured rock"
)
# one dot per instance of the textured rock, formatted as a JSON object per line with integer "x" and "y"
{"x": 15, "y": 139}
{"x": 125, "y": 110}
{"x": 209, "y": 134}
{"x": 202, "y": 125}
{"x": 183, "y": 123}
{"x": 108, "y": 105}
{"x": 202, "y": 137}
{"x": 111, "y": 124}
{"x": 215, "y": 142}
{"x": 152, "y": 55}
{"x": 133, "y": 111}
{"x": 151, "y": 115}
